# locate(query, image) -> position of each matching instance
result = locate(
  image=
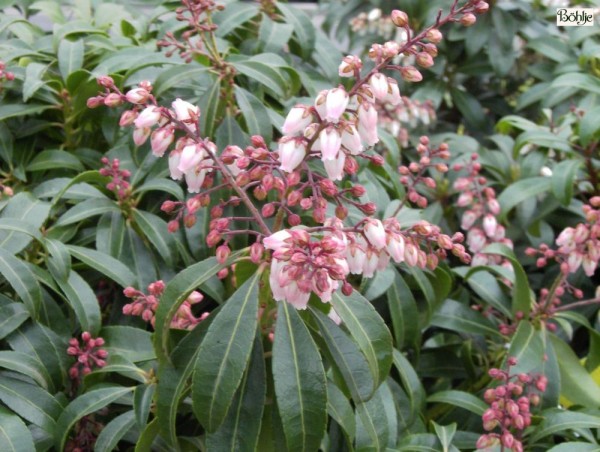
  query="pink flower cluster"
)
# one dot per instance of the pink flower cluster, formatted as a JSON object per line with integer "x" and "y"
{"x": 510, "y": 404}
{"x": 578, "y": 246}
{"x": 4, "y": 74}
{"x": 88, "y": 356}
{"x": 145, "y": 306}
{"x": 301, "y": 265}
{"x": 479, "y": 220}
{"x": 119, "y": 178}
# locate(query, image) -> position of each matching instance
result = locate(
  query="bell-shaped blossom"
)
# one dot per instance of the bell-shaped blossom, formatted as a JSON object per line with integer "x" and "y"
{"x": 355, "y": 257}
{"x": 367, "y": 123}
{"x": 161, "y": 139}
{"x": 184, "y": 111}
{"x": 194, "y": 178}
{"x": 375, "y": 233}
{"x": 137, "y": 95}
{"x": 476, "y": 240}
{"x": 277, "y": 240}
{"x": 140, "y": 135}
{"x": 191, "y": 156}
{"x": 335, "y": 104}
{"x": 174, "y": 158}
{"x": 321, "y": 104}
{"x": 291, "y": 153}
{"x": 148, "y": 117}
{"x": 393, "y": 94}
{"x": 468, "y": 219}
{"x": 395, "y": 247}
{"x": 370, "y": 263}
{"x": 335, "y": 168}
{"x": 297, "y": 120}
{"x": 489, "y": 225}
{"x": 330, "y": 142}
{"x": 351, "y": 140}
{"x": 411, "y": 254}
{"x": 379, "y": 86}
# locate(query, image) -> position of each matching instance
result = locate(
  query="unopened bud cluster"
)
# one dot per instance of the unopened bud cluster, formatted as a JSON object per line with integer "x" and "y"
{"x": 415, "y": 174}
{"x": 4, "y": 74}
{"x": 145, "y": 306}
{"x": 480, "y": 217}
{"x": 119, "y": 183}
{"x": 89, "y": 355}
{"x": 510, "y": 404}
{"x": 577, "y": 246}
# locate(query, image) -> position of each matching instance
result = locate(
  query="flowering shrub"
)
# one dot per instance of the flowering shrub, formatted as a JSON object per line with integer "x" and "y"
{"x": 267, "y": 244}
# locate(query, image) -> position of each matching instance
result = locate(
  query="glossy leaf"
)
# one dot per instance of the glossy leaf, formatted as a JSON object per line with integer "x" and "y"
{"x": 87, "y": 403}
{"x": 11, "y": 317}
{"x": 563, "y": 180}
{"x": 26, "y": 208}
{"x": 114, "y": 431}
{"x": 83, "y": 301}
{"x": 403, "y": 311}
{"x": 255, "y": 114}
{"x": 223, "y": 355}
{"x": 26, "y": 365}
{"x": 105, "y": 264}
{"x": 236, "y": 14}
{"x": 14, "y": 435}
{"x": 339, "y": 408}
{"x": 368, "y": 330}
{"x": 22, "y": 280}
{"x": 556, "y": 421}
{"x": 520, "y": 191}
{"x": 372, "y": 426}
{"x": 460, "y": 399}
{"x": 457, "y": 317}
{"x": 303, "y": 27}
{"x": 87, "y": 209}
{"x": 300, "y": 385}
{"x": 54, "y": 159}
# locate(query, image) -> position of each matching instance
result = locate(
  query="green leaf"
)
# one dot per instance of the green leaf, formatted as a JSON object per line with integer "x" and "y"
{"x": 240, "y": 430}
{"x": 83, "y": 301}
{"x": 563, "y": 180}
{"x": 522, "y": 296}
{"x": 22, "y": 280}
{"x": 411, "y": 383}
{"x": 54, "y": 159}
{"x": 340, "y": 410}
{"x": 303, "y": 27}
{"x": 273, "y": 36}
{"x": 176, "y": 292}
{"x": 81, "y": 191}
{"x": 223, "y": 355}
{"x": 147, "y": 437}
{"x": 164, "y": 185}
{"x": 368, "y": 330}
{"x": 521, "y": 190}
{"x": 470, "y": 108}
{"x": 460, "y": 399}
{"x": 487, "y": 287}
{"x": 6, "y": 144}
{"x": 85, "y": 404}
{"x": 255, "y": 114}
{"x": 236, "y": 14}
{"x": 346, "y": 357}
{"x": 457, "y": 317}
{"x": 575, "y": 447}
{"x": 88, "y": 176}
{"x": 110, "y": 234}
{"x": 59, "y": 263}
{"x": 14, "y": 110}
{"x": 87, "y": 209}
{"x": 588, "y": 126}
{"x": 445, "y": 433}
{"x": 229, "y": 132}
{"x": 542, "y": 138}
{"x": 14, "y": 435}
{"x": 176, "y": 75}
{"x": 114, "y": 431}
{"x": 372, "y": 424}
{"x": 586, "y": 82}
{"x": 404, "y": 312}
{"x": 556, "y": 421}
{"x": 26, "y": 365}
{"x": 133, "y": 344}
{"x": 24, "y": 207}
{"x": 263, "y": 74}
{"x": 105, "y": 264}
{"x": 577, "y": 384}
{"x": 419, "y": 442}
{"x": 70, "y": 56}
{"x": 13, "y": 224}
{"x": 142, "y": 401}
{"x": 33, "y": 79}
{"x": 11, "y": 317}
{"x": 30, "y": 402}
{"x": 300, "y": 384}
{"x": 155, "y": 229}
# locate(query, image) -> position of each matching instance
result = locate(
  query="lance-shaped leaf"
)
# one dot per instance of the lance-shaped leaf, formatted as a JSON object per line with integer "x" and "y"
{"x": 176, "y": 293}
{"x": 368, "y": 330}
{"x": 346, "y": 357}
{"x": 224, "y": 354}
{"x": 82, "y": 299}
{"x": 83, "y": 405}
{"x": 22, "y": 280}
{"x": 373, "y": 421}
{"x": 239, "y": 431}
{"x": 560, "y": 420}
{"x": 114, "y": 431}
{"x": 14, "y": 435}
{"x": 300, "y": 384}
{"x": 87, "y": 209}
{"x": 105, "y": 264}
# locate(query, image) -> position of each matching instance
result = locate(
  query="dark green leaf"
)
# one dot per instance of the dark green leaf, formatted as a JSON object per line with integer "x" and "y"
{"x": 240, "y": 430}
{"x": 59, "y": 262}
{"x": 588, "y": 126}
{"x": 133, "y": 344}
{"x": 255, "y": 114}
{"x": 223, "y": 355}
{"x": 26, "y": 208}
{"x": 404, "y": 313}
{"x": 273, "y": 36}
{"x": 142, "y": 401}
{"x": 303, "y": 27}
{"x": 14, "y": 110}
{"x": 563, "y": 180}
{"x": 368, "y": 330}
{"x": 459, "y": 399}
{"x": 22, "y": 280}
{"x": 83, "y": 405}
{"x": 155, "y": 230}
{"x": 164, "y": 185}
{"x": 300, "y": 385}
{"x": 70, "y": 56}
{"x": 263, "y": 74}
{"x": 340, "y": 410}
{"x": 556, "y": 421}
{"x": 11, "y": 317}
{"x": 105, "y": 264}
{"x": 83, "y": 301}
{"x": 580, "y": 80}
{"x": 457, "y": 317}
{"x": 372, "y": 424}
{"x": 14, "y": 435}
{"x": 520, "y": 191}
{"x": 114, "y": 431}
{"x": 236, "y": 14}
{"x": 445, "y": 433}
{"x": 175, "y": 75}
{"x": 87, "y": 209}
{"x": 54, "y": 159}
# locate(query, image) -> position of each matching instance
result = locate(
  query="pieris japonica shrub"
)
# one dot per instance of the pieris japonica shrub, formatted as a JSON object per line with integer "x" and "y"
{"x": 225, "y": 228}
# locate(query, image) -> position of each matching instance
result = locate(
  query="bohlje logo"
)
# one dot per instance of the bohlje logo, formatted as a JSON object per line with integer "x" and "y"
{"x": 575, "y": 17}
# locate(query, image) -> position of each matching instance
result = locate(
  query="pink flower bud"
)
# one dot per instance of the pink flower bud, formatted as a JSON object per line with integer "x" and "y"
{"x": 411, "y": 74}
{"x": 468, "y": 19}
{"x": 367, "y": 123}
{"x": 399, "y": 18}
{"x": 137, "y": 96}
{"x": 379, "y": 86}
{"x": 375, "y": 233}
{"x": 113, "y": 100}
{"x": 185, "y": 112}
{"x": 434, "y": 36}
{"x": 161, "y": 139}
{"x": 256, "y": 252}
{"x": 489, "y": 225}
{"x": 349, "y": 65}
{"x": 424, "y": 60}
{"x": 148, "y": 117}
